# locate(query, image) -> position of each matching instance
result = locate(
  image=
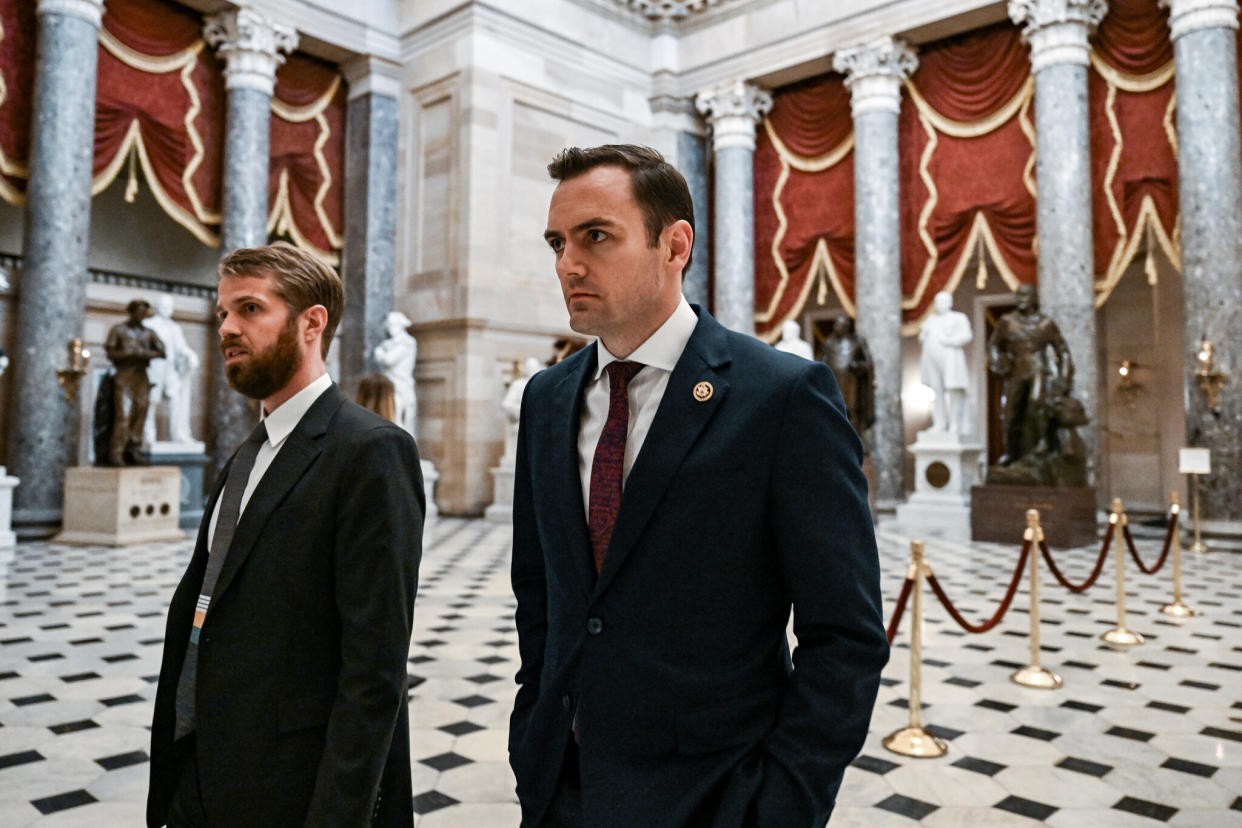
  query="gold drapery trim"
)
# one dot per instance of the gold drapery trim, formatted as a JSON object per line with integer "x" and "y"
{"x": 280, "y": 220}
{"x": 1127, "y": 82}
{"x": 133, "y": 143}
{"x": 8, "y": 166}
{"x": 1149, "y": 224}
{"x": 300, "y": 114}
{"x": 972, "y": 129}
{"x": 151, "y": 64}
{"x": 821, "y": 264}
{"x": 1028, "y": 129}
{"x": 196, "y": 106}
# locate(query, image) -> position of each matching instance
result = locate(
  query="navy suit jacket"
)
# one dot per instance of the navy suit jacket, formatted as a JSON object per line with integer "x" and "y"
{"x": 301, "y": 691}
{"x": 689, "y": 709}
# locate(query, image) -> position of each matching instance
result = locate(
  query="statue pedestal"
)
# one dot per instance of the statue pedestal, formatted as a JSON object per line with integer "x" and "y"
{"x": 945, "y": 470}
{"x": 501, "y": 510}
{"x": 430, "y": 476}
{"x": 1067, "y": 515}
{"x": 7, "y": 484}
{"x": 120, "y": 506}
{"x": 188, "y": 457}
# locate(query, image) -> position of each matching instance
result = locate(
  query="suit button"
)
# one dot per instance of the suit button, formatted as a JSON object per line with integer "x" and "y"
{"x": 565, "y": 701}
{"x": 595, "y": 626}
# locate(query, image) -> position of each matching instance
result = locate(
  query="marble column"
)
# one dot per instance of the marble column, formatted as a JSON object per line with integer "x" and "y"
{"x": 1204, "y": 34}
{"x": 873, "y": 74}
{"x": 1057, "y": 32}
{"x": 52, "y": 292}
{"x": 368, "y": 265}
{"x": 695, "y": 166}
{"x": 251, "y": 47}
{"x": 733, "y": 110}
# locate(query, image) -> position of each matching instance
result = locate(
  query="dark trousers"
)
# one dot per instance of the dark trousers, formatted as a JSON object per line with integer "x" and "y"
{"x": 565, "y": 810}
{"x": 186, "y": 809}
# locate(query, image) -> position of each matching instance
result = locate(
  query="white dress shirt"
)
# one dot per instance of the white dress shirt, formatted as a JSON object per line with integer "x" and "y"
{"x": 659, "y": 355}
{"x": 280, "y": 423}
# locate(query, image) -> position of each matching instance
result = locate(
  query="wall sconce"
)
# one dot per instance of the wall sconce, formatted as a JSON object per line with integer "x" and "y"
{"x": 1128, "y": 388}
{"x": 79, "y": 358}
{"x": 1211, "y": 379}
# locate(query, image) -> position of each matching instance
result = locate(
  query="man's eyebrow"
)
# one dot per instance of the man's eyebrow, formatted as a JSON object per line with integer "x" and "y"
{"x": 241, "y": 300}
{"x": 589, "y": 224}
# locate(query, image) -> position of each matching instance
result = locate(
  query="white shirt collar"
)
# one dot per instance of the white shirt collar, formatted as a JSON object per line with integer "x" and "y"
{"x": 289, "y": 413}
{"x": 663, "y": 348}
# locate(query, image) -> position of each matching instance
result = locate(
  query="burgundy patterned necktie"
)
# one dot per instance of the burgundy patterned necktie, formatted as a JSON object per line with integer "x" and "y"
{"x": 607, "y": 469}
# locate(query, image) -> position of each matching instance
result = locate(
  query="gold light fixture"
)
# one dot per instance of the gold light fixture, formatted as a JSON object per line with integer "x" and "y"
{"x": 1211, "y": 379}
{"x": 79, "y": 358}
{"x": 1128, "y": 388}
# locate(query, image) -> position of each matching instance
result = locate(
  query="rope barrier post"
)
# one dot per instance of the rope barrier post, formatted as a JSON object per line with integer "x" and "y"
{"x": 1034, "y": 675}
{"x": 1198, "y": 547}
{"x": 1119, "y": 636}
{"x": 1177, "y": 609}
{"x": 913, "y": 740}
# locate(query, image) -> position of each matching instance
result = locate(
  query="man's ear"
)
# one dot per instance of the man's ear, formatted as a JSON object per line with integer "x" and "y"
{"x": 315, "y": 320}
{"x": 680, "y": 243}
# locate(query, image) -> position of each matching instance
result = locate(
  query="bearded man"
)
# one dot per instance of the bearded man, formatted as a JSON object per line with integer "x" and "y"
{"x": 282, "y": 693}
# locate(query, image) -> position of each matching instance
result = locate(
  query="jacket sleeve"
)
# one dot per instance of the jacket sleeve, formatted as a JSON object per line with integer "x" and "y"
{"x": 379, "y": 523}
{"x": 825, "y": 542}
{"x": 529, "y": 587}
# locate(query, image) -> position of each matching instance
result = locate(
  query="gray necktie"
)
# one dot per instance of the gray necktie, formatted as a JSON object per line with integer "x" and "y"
{"x": 226, "y": 525}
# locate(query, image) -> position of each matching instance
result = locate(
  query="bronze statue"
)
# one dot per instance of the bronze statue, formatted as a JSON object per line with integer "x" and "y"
{"x": 1038, "y": 414}
{"x": 130, "y": 347}
{"x": 846, "y": 354}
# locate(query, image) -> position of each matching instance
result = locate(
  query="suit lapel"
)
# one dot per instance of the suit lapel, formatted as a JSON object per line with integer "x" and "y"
{"x": 291, "y": 462}
{"x": 678, "y": 422}
{"x": 563, "y": 504}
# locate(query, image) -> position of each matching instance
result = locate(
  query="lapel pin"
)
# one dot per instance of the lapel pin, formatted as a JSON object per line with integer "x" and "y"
{"x": 703, "y": 391}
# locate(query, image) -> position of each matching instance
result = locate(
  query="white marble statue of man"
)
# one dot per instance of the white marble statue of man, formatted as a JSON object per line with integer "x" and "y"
{"x": 943, "y": 365}
{"x": 396, "y": 356}
{"x": 170, "y": 377}
{"x": 511, "y": 404}
{"x": 791, "y": 341}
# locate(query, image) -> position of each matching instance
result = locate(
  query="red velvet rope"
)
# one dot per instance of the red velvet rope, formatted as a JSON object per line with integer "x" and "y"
{"x": 900, "y": 609}
{"x": 1095, "y": 573}
{"x": 1000, "y": 611}
{"x": 1164, "y": 553}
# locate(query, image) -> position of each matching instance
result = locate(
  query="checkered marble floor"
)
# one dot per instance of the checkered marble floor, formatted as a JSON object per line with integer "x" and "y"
{"x": 1148, "y": 735}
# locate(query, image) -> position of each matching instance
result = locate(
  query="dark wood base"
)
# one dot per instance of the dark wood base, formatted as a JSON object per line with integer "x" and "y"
{"x": 1068, "y": 516}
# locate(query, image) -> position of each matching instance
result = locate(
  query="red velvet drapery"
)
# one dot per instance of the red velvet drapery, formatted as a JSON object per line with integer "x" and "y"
{"x": 17, "y": 56}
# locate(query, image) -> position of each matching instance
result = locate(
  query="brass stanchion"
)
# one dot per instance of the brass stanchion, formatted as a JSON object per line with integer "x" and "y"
{"x": 1119, "y": 636}
{"x": 914, "y": 740}
{"x": 1034, "y": 675}
{"x": 1198, "y": 547}
{"x": 1177, "y": 609}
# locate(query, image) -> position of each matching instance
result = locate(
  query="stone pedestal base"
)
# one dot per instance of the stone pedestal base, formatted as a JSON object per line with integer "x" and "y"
{"x": 501, "y": 510}
{"x": 191, "y": 461}
{"x": 120, "y": 506}
{"x": 7, "y": 484}
{"x": 430, "y": 476}
{"x": 1068, "y": 516}
{"x": 945, "y": 471}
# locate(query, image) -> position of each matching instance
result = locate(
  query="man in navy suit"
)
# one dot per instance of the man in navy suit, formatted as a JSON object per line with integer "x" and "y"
{"x": 679, "y": 488}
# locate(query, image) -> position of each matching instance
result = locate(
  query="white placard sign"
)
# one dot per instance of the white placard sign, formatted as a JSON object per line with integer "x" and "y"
{"x": 1194, "y": 461}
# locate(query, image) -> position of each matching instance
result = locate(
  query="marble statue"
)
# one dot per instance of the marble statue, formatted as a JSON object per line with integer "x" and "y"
{"x": 1039, "y": 416}
{"x": 943, "y": 364}
{"x": 511, "y": 405}
{"x": 130, "y": 346}
{"x": 4, "y": 362}
{"x": 171, "y": 375}
{"x": 396, "y": 356}
{"x": 846, "y": 354}
{"x": 791, "y": 341}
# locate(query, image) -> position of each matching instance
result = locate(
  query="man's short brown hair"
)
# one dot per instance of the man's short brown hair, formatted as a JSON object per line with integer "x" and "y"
{"x": 300, "y": 280}
{"x": 657, "y": 186}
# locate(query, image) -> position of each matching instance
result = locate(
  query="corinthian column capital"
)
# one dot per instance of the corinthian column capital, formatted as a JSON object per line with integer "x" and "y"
{"x": 874, "y": 72}
{"x": 251, "y": 46}
{"x": 733, "y": 109}
{"x": 1186, "y": 16}
{"x": 89, "y": 10}
{"x": 1057, "y": 29}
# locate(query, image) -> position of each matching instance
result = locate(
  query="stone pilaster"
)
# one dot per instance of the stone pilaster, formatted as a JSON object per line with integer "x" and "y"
{"x": 368, "y": 265}
{"x": 733, "y": 110}
{"x": 252, "y": 47}
{"x": 873, "y": 73}
{"x": 1210, "y": 187}
{"x": 51, "y": 296}
{"x": 677, "y": 117}
{"x": 1057, "y": 31}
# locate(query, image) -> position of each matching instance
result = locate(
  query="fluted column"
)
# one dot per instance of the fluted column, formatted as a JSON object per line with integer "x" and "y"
{"x": 252, "y": 47}
{"x": 1057, "y": 32}
{"x": 52, "y": 293}
{"x": 873, "y": 73}
{"x": 369, "y": 264}
{"x": 1204, "y": 36}
{"x": 733, "y": 110}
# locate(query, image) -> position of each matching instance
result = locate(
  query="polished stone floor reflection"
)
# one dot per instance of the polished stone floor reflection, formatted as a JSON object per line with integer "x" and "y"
{"x": 1148, "y": 735}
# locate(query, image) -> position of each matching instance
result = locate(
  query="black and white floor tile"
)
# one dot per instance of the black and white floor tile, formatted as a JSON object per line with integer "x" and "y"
{"x": 1139, "y": 737}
